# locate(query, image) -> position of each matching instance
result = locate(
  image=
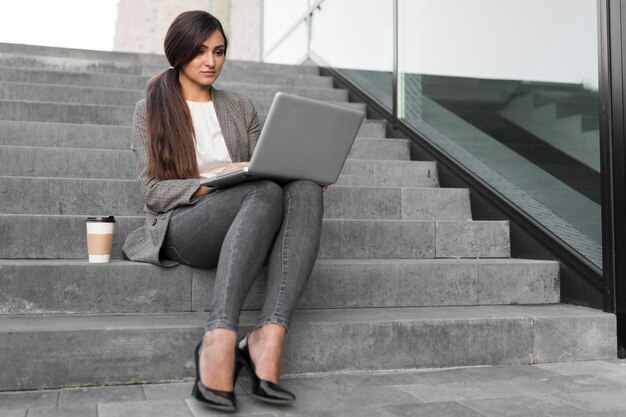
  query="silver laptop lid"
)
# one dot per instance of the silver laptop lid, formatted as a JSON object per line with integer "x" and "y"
{"x": 305, "y": 139}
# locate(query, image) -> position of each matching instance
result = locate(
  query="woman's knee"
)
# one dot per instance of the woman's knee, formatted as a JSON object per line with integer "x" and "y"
{"x": 304, "y": 189}
{"x": 269, "y": 190}
{"x": 269, "y": 196}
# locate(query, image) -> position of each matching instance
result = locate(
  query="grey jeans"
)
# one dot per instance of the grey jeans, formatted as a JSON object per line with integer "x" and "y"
{"x": 236, "y": 228}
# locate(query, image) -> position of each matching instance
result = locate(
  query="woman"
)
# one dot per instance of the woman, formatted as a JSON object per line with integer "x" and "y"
{"x": 183, "y": 131}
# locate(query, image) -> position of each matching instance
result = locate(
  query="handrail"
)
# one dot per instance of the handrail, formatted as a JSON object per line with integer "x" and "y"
{"x": 307, "y": 17}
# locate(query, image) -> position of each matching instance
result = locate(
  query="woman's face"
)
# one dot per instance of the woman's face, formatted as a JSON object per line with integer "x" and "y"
{"x": 203, "y": 70}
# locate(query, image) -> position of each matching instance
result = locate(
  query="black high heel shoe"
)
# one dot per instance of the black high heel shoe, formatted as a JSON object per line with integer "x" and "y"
{"x": 216, "y": 399}
{"x": 263, "y": 390}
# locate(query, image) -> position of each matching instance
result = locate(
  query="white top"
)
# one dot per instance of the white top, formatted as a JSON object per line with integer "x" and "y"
{"x": 211, "y": 152}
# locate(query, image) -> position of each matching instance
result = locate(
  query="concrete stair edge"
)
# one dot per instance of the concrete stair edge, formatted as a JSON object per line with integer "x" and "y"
{"x": 106, "y": 349}
{"x": 76, "y": 286}
{"x": 118, "y": 115}
{"x": 46, "y": 53}
{"x": 60, "y": 162}
{"x": 123, "y": 96}
{"x": 341, "y": 238}
{"x": 136, "y": 81}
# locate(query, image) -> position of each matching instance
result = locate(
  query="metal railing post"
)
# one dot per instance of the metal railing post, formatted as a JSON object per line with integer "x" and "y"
{"x": 395, "y": 64}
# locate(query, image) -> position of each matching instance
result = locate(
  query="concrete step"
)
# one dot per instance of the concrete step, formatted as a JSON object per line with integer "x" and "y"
{"x": 39, "y": 111}
{"x": 389, "y": 173}
{"x": 150, "y": 69}
{"x": 65, "y": 350}
{"x": 57, "y": 135}
{"x": 64, "y": 135}
{"x": 397, "y": 203}
{"x": 414, "y": 239}
{"x": 74, "y": 135}
{"x": 385, "y": 149}
{"x": 58, "y": 196}
{"x": 75, "y": 286}
{"x": 71, "y": 53}
{"x": 126, "y": 97}
{"x": 63, "y": 237}
{"x": 98, "y": 114}
{"x": 123, "y": 63}
{"x": 138, "y": 82}
{"x": 117, "y": 164}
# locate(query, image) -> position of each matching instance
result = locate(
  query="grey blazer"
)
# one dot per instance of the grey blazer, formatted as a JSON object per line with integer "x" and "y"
{"x": 240, "y": 127}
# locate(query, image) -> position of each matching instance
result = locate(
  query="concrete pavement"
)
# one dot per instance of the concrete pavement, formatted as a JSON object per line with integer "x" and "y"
{"x": 568, "y": 389}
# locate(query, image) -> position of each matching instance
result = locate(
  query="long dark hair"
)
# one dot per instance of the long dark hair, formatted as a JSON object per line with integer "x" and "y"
{"x": 171, "y": 151}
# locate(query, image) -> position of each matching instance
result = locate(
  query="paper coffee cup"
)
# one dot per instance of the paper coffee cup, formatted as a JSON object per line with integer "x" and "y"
{"x": 100, "y": 232}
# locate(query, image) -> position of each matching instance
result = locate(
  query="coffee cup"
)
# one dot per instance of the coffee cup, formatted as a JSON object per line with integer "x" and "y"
{"x": 100, "y": 232}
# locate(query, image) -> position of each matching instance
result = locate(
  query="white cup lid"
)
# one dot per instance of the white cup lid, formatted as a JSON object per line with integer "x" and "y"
{"x": 102, "y": 219}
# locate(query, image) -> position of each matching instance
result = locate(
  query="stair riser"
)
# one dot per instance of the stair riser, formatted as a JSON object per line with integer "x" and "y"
{"x": 25, "y": 111}
{"x": 473, "y": 239}
{"x": 381, "y": 149}
{"x": 85, "y": 95}
{"x": 123, "y": 198}
{"x": 122, "y": 356}
{"x": 69, "y": 355}
{"x": 414, "y": 240}
{"x": 67, "y": 163}
{"x": 376, "y": 240}
{"x": 341, "y": 239}
{"x": 54, "y": 63}
{"x": 136, "y": 82}
{"x": 120, "y": 164}
{"x": 125, "y": 287}
{"x": 66, "y": 113}
{"x": 116, "y": 196}
{"x": 95, "y": 138}
{"x": 396, "y": 344}
{"x": 150, "y": 69}
{"x": 399, "y": 344}
{"x": 145, "y": 65}
{"x": 397, "y": 203}
{"x": 395, "y": 174}
{"x": 56, "y": 135}
{"x": 41, "y": 51}
{"x": 41, "y": 134}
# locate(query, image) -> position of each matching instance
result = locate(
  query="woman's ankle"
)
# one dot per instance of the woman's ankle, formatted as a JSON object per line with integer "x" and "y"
{"x": 219, "y": 337}
{"x": 265, "y": 344}
{"x": 217, "y": 359}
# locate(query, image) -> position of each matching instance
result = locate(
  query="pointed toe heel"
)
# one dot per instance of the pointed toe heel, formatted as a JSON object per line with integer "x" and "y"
{"x": 263, "y": 390}
{"x": 215, "y": 399}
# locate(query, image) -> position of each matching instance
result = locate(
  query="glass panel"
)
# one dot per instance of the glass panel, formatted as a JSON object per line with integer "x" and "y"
{"x": 356, "y": 38}
{"x": 278, "y": 17}
{"x": 510, "y": 89}
{"x": 292, "y": 49}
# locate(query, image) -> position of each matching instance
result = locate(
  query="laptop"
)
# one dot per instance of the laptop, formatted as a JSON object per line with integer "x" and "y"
{"x": 302, "y": 138}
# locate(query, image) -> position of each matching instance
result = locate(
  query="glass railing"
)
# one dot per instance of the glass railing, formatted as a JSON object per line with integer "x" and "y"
{"x": 285, "y": 31}
{"x": 508, "y": 88}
